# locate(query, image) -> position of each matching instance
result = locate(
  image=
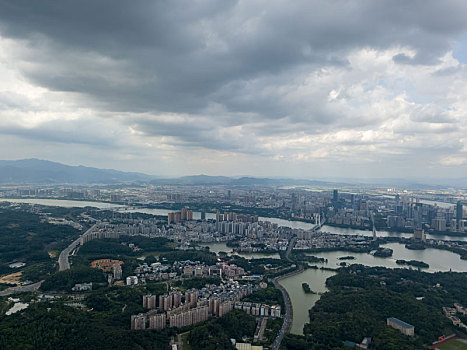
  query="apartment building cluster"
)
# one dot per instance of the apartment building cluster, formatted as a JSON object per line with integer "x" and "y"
{"x": 349, "y": 216}
{"x": 263, "y": 310}
{"x": 179, "y": 310}
{"x": 232, "y": 216}
{"x": 153, "y": 272}
{"x": 114, "y": 231}
{"x": 183, "y": 215}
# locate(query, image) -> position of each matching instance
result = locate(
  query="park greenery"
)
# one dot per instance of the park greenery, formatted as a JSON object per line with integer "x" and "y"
{"x": 57, "y": 326}
{"x": 414, "y": 263}
{"x": 306, "y": 288}
{"x": 361, "y": 298}
{"x": 217, "y": 332}
{"x": 26, "y": 238}
{"x": 269, "y": 295}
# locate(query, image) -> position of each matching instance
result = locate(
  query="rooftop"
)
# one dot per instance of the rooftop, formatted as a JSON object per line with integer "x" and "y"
{"x": 400, "y": 323}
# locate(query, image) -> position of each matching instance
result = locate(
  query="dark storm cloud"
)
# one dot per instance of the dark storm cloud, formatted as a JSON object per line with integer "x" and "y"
{"x": 183, "y": 53}
{"x": 229, "y": 75}
{"x": 82, "y": 131}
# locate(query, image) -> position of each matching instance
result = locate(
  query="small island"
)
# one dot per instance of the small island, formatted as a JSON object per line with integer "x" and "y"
{"x": 415, "y": 263}
{"x": 313, "y": 259}
{"x": 348, "y": 257}
{"x": 415, "y": 246}
{"x": 306, "y": 288}
{"x": 383, "y": 252}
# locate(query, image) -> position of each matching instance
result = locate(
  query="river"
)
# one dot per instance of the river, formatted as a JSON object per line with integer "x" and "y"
{"x": 197, "y": 216}
{"x": 351, "y": 231}
{"x": 62, "y": 203}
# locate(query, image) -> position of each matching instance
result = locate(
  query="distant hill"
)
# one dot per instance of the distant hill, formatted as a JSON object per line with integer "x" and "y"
{"x": 36, "y": 171}
{"x": 234, "y": 181}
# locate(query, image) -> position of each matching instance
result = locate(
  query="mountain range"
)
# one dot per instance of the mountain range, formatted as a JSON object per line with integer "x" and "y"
{"x": 36, "y": 171}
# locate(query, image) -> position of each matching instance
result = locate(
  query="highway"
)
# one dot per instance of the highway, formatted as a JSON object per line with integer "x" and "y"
{"x": 288, "y": 317}
{"x": 63, "y": 262}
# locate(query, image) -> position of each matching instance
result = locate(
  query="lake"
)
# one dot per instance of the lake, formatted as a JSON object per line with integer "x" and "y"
{"x": 439, "y": 260}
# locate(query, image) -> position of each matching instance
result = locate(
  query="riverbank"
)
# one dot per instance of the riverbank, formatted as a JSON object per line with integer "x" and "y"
{"x": 396, "y": 230}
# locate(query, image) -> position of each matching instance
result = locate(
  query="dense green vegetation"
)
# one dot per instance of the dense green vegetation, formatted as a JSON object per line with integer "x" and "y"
{"x": 257, "y": 266}
{"x": 270, "y": 295}
{"x": 361, "y": 298}
{"x": 306, "y": 288}
{"x": 65, "y": 280}
{"x": 308, "y": 258}
{"x": 102, "y": 248}
{"x": 216, "y": 333}
{"x": 193, "y": 255}
{"x": 23, "y": 237}
{"x": 383, "y": 252}
{"x": 272, "y": 329}
{"x": 157, "y": 244}
{"x": 348, "y": 257}
{"x": 55, "y": 326}
{"x": 415, "y": 263}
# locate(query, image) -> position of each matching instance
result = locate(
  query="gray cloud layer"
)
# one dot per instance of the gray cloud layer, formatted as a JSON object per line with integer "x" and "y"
{"x": 301, "y": 82}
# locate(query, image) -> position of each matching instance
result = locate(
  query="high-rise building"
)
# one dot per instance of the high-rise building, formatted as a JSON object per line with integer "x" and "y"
{"x": 183, "y": 214}
{"x": 439, "y": 224}
{"x": 459, "y": 213}
{"x": 191, "y": 297}
{"x": 419, "y": 235}
{"x": 165, "y": 302}
{"x": 157, "y": 321}
{"x": 177, "y": 299}
{"x": 117, "y": 271}
{"x": 149, "y": 301}
{"x": 189, "y": 215}
{"x": 335, "y": 196}
{"x": 138, "y": 321}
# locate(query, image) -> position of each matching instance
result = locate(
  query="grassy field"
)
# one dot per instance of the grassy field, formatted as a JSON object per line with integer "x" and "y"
{"x": 453, "y": 345}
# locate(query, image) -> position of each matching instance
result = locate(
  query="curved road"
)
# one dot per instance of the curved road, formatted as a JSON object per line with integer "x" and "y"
{"x": 288, "y": 317}
{"x": 63, "y": 262}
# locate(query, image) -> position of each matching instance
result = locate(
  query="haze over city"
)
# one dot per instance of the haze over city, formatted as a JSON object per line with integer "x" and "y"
{"x": 305, "y": 89}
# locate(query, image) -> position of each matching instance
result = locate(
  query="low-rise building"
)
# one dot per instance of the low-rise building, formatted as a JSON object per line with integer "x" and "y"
{"x": 402, "y": 326}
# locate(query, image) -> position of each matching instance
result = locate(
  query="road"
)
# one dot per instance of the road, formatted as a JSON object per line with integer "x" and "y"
{"x": 20, "y": 289}
{"x": 63, "y": 262}
{"x": 288, "y": 316}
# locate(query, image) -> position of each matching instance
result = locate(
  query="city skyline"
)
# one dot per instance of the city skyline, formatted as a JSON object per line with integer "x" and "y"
{"x": 309, "y": 90}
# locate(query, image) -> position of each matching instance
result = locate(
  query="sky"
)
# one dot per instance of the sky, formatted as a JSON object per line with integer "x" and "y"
{"x": 307, "y": 89}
